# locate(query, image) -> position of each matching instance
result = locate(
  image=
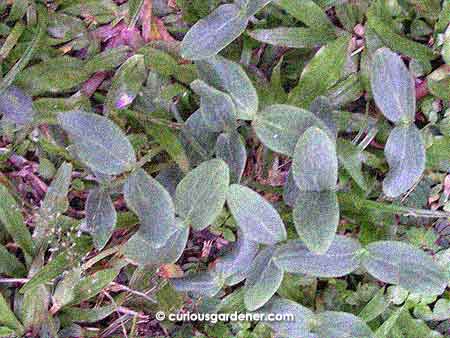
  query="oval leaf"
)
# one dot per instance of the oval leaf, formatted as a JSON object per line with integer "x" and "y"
{"x": 126, "y": 83}
{"x": 316, "y": 218}
{"x": 238, "y": 259}
{"x": 231, "y": 148}
{"x": 16, "y": 106}
{"x": 279, "y": 126}
{"x": 392, "y": 86}
{"x": 142, "y": 252}
{"x": 200, "y": 195}
{"x": 229, "y": 77}
{"x": 101, "y": 216}
{"x": 341, "y": 324}
{"x": 153, "y": 205}
{"x": 290, "y": 190}
{"x": 340, "y": 259}
{"x": 299, "y": 327}
{"x": 213, "y": 33}
{"x": 217, "y": 108}
{"x": 315, "y": 163}
{"x": 256, "y": 217}
{"x": 405, "y": 154}
{"x": 98, "y": 142}
{"x": 263, "y": 280}
{"x": 203, "y": 283}
{"x": 292, "y": 37}
{"x": 404, "y": 265}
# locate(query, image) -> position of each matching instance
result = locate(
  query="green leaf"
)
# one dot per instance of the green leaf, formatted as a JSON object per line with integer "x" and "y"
{"x": 10, "y": 265}
{"x": 167, "y": 139}
{"x": 6, "y": 332}
{"x": 61, "y": 74}
{"x": 108, "y": 152}
{"x": 308, "y": 12}
{"x": 126, "y": 83}
{"x": 101, "y": 216}
{"x": 441, "y": 310}
{"x": 438, "y": 155}
{"x": 303, "y": 318}
{"x": 263, "y": 280}
{"x": 405, "y": 154}
{"x": 8, "y": 318}
{"x": 64, "y": 261}
{"x": 404, "y": 265}
{"x": 41, "y": 31}
{"x": 340, "y": 259}
{"x": 254, "y": 6}
{"x": 16, "y": 106}
{"x": 350, "y": 156}
{"x": 168, "y": 253}
{"x": 256, "y": 217}
{"x": 321, "y": 73}
{"x": 153, "y": 205}
{"x": 56, "y": 200}
{"x": 377, "y": 305}
{"x": 200, "y": 196}
{"x": 238, "y": 259}
{"x": 290, "y": 190}
{"x": 392, "y": 86}
{"x": 64, "y": 291}
{"x": 316, "y": 218}
{"x": 231, "y": 148}
{"x": 230, "y": 77}
{"x": 217, "y": 108}
{"x": 202, "y": 283}
{"x": 292, "y": 37}
{"x": 75, "y": 314}
{"x": 315, "y": 164}
{"x": 280, "y": 126}
{"x": 12, "y": 220}
{"x": 341, "y": 324}
{"x": 212, "y": 34}
{"x": 107, "y": 60}
{"x": 397, "y": 42}
{"x": 91, "y": 285}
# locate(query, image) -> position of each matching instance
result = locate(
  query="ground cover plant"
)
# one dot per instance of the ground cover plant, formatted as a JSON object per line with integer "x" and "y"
{"x": 163, "y": 157}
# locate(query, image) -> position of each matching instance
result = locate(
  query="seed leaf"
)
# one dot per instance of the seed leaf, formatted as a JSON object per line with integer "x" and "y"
{"x": 263, "y": 280}
{"x": 340, "y": 259}
{"x": 200, "y": 196}
{"x": 404, "y": 265}
{"x": 405, "y": 154}
{"x": 212, "y": 34}
{"x": 256, "y": 217}
{"x": 98, "y": 142}
{"x": 153, "y": 205}
{"x": 316, "y": 218}
{"x": 315, "y": 164}
{"x": 279, "y": 126}
{"x": 392, "y": 86}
